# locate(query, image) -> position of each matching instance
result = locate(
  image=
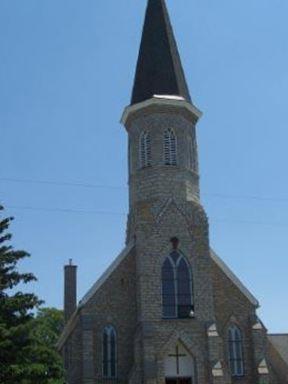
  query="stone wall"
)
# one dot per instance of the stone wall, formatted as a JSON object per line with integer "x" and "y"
{"x": 115, "y": 304}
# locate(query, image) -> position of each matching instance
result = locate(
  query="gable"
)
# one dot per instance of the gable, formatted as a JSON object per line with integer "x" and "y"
{"x": 92, "y": 292}
{"x": 280, "y": 342}
{"x": 107, "y": 274}
{"x": 233, "y": 278}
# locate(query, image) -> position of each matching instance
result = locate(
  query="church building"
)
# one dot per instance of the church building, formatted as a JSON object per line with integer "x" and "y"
{"x": 168, "y": 310}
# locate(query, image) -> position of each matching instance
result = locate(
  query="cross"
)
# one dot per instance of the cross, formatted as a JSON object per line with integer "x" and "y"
{"x": 177, "y": 355}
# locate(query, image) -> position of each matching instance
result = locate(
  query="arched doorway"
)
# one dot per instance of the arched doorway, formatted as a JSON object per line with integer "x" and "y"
{"x": 179, "y": 366}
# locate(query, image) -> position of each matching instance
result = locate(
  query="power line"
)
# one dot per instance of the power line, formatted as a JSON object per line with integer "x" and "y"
{"x": 60, "y": 183}
{"x": 246, "y": 197}
{"x": 103, "y": 186}
{"x": 64, "y": 210}
{"x": 113, "y": 213}
{"x": 251, "y": 222}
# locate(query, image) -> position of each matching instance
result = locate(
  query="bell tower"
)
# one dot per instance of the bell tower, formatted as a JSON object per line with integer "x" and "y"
{"x": 166, "y": 221}
{"x": 160, "y": 121}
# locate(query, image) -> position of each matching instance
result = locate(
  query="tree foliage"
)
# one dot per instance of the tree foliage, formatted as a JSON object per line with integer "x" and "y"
{"x": 27, "y": 352}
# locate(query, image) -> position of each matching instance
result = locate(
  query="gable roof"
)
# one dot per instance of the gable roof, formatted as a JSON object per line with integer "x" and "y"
{"x": 280, "y": 342}
{"x": 231, "y": 276}
{"x": 159, "y": 70}
{"x": 92, "y": 291}
{"x": 106, "y": 274}
{"x": 220, "y": 263}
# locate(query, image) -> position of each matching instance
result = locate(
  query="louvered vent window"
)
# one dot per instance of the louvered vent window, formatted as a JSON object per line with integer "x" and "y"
{"x": 145, "y": 150}
{"x": 170, "y": 152}
{"x": 195, "y": 159}
{"x": 192, "y": 154}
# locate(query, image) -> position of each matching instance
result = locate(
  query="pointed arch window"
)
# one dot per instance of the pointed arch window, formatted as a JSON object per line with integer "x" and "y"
{"x": 109, "y": 352}
{"x": 145, "y": 150}
{"x": 192, "y": 151}
{"x": 236, "y": 359}
{"x": 170, "y": 147}
{"x": 177, "y": 290}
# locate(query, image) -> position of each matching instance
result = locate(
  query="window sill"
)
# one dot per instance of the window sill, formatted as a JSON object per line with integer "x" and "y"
{"x": 179, "y": 318}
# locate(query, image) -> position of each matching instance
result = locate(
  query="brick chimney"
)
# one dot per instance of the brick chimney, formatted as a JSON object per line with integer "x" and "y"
{"x": 70, "y": 290}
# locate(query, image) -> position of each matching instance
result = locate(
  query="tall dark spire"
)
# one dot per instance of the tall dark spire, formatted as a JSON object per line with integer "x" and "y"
{"x": 159, "y": 69}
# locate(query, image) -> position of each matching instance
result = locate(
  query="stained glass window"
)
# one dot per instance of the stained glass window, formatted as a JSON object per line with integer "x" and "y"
{"x": 177, "y": 298}
{"x": 109, "y": 352}
{"x": 235, "y": 341}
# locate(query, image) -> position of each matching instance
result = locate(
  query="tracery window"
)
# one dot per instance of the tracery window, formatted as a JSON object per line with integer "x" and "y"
{"x": 145, "y": 150}
{"x": 177, "y": 295}
{"x": 170, "y": 147}
{"x": 109, "y": 352}
{"x": 235, "y": 341}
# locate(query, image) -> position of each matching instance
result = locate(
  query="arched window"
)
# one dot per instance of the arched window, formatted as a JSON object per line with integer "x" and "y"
{"x": 109, "y": 352}
{"x": 235, "y": 341}
{"x": 177, "y": 297}
{"x": 170, "y": 151}
{"x": 192, "y": 154}
{"x": 145, "y": 150}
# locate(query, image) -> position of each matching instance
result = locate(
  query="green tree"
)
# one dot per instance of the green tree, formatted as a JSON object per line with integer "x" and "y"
{"x": 48, "y": 326}
{"x": 25, "y": 356}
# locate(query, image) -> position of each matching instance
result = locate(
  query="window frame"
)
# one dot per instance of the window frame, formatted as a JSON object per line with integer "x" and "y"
{"x": 170, "y": 148}
{"x": 235, "y": 344}
{"x": 175, "y": 266}
{"x": 109, "y": 330}
{"x": 144, "y": 150}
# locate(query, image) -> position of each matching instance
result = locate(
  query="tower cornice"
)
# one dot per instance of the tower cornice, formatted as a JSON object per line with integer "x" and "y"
{"x": 162, "y": 103}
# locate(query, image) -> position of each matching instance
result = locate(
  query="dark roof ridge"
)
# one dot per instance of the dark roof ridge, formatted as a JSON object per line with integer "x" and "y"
{"x": 278, "y": 334}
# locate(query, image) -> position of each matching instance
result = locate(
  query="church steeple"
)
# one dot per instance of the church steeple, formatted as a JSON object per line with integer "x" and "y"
{"x": 159, "y": 69}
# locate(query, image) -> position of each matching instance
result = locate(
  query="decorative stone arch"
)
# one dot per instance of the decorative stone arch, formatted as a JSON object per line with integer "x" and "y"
{"x": 167, "y": 205}
{"x": 193, "y": 215}
{"x": 179, "y": 342}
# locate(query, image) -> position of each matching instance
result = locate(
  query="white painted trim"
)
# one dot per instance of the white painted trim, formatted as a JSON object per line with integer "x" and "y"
{"x": 169, "y": 97}
{"x": 224, "y": 267}
{"x": 165, "y": 100}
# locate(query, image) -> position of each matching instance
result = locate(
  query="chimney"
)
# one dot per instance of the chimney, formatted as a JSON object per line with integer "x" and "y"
{"x": 70, "y": 290}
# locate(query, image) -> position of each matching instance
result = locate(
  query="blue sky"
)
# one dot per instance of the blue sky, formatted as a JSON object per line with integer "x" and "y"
{"x": 66, "y": 73}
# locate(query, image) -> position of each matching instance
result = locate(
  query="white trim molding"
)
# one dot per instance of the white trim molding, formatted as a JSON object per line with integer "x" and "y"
{"x": 161, "y": 100}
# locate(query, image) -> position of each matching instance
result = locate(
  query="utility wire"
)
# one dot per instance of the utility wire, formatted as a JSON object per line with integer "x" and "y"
{"x": 103, "y": 186}
{"x": 65, "y": 210}
{"x": 122, "y": 214}
{"x": 60, "y": 183}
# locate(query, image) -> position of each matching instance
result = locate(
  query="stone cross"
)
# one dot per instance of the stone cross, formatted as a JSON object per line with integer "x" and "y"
{"x": 177, "y": 356}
